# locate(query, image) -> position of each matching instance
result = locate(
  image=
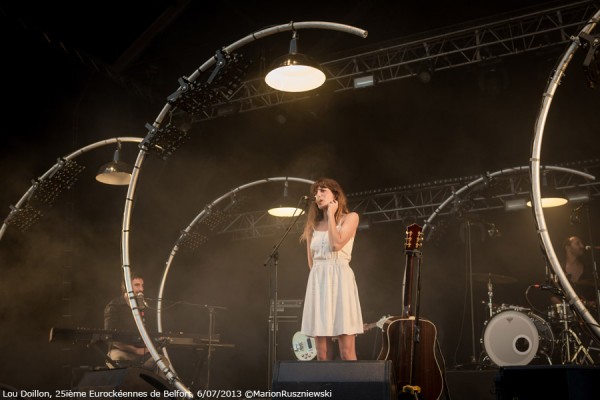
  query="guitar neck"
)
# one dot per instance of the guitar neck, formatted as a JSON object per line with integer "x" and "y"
{"x": 414, "y": 237}
{"x": 408, "y": 285}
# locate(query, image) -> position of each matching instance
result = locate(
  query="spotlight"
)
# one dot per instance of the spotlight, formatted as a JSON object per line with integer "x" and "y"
{"x": 23, "y": 218}
{"x": 425, "y": 75}
{"x": 575, "y": 217}
{"x": 591, "y": 63}
{"x": 493, "y": 231}
{"x": 59, "y": 181}
{"x": 580, "y": 196}
{"x": 515, "y": 204}
{"x": 364, "y": 224}
{"x": 295, "y": 72}
{"x": 115, "y": 172}
{"x": 164, "y": 141}
{"x": 364, "y": 81}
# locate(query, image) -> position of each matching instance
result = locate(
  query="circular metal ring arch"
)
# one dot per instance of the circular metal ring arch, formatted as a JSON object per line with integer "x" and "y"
{"x": 125, "y": 231}
{"x": 58, "y": 165}
{"x": 485, "y": 178}
{"x": 198, "y": 218}
{"x": 535, "y": 163}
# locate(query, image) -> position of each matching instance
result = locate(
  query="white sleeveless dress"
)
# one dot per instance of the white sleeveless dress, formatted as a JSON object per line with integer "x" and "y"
{"x": 331, "y": 304}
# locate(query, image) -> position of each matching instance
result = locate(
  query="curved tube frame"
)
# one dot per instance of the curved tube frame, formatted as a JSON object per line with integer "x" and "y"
{"x": 56, "y": 166}
{"x": 535, "y": 163}
{"x": 206, "y": 210}
{"x": 125, "y": 257}
{"x": 507, "y": 171}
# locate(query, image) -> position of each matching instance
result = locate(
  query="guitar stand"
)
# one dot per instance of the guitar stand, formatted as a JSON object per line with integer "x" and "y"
{"x": 410, "y": 388}
{"x": 413, "y": 391}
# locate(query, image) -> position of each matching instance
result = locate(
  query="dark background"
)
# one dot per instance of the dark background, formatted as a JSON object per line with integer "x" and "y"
{"x": 389, "y": 135}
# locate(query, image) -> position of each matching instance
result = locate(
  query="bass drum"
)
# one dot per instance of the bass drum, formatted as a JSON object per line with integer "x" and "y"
{"x": 513, "y": 337}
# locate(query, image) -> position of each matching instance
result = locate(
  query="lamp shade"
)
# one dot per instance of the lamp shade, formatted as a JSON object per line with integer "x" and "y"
{"x": 295, "y": 72}
{"x": 115, "y": 172}
{"x": 283, "y": 207}
{"x": 551, "y": 197}
{"x": 285, "y": 210}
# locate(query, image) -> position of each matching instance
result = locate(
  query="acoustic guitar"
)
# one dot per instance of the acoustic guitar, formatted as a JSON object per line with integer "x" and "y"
{"x": 409, "y": 342}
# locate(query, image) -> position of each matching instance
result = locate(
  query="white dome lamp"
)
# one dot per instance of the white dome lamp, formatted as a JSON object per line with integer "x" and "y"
{"x": 295, "y": 72}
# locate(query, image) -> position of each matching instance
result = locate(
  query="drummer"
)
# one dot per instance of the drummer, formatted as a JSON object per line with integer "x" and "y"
{"x": 579, "y": 274}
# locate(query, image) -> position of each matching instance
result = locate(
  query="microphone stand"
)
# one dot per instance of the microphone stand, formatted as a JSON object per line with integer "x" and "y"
{"x": 469, "y": 264}
{"x": 211, "y": 335}
{"x": 273, "y": 327}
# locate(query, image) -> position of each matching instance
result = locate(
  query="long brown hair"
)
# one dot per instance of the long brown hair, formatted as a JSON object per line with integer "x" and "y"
{"x": 314, "y": 214}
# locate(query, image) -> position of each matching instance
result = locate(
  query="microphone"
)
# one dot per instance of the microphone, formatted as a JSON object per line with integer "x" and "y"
{"x": 550, "y": 288}
{"x": 141, "y": 301}
{"x": 305, "y": 201}
{"x": 588, "y": 247}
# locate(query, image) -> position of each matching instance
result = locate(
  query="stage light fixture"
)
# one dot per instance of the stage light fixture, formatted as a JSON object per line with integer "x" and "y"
{"x": 591, "y": 63}
{"x": 515, "y": 204}
{"x": 165, "y": 140}
{"x": 284, "y": 207}
{"x": 66, "y": 173}
{"x": 115, "y": 172}
{"x": 579, "y": 196}
{"x": 364, "y": 81}
{"x": 295, "y": 72}
{"x": 492, "y": 230}
{"x": 550, "y": 196}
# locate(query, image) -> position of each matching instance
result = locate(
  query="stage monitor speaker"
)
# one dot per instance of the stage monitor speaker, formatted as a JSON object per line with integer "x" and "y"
{"x": 348, "y": 380}
{"x": 472, "y": 384}
{"x": 565, "y": 382}
{"x": 128, "y": 380}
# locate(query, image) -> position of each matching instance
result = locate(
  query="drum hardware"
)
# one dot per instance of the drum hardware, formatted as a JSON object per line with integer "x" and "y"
{"x": 560, "y": 312}
{"x": 490, "y": 293}
{"x": 572, "y": 349}
{"x": 564, "y": 318}
{"x": 483, "y": 277}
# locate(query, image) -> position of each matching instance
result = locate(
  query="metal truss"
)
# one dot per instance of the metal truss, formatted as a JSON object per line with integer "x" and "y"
{"x": 533, "y": 31}
{"x": 415, "y": 203}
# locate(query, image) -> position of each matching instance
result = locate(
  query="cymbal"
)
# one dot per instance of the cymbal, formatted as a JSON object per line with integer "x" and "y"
{"x": 484, "y": 277}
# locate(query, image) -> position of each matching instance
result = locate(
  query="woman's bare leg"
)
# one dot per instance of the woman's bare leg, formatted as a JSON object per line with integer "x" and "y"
{"x": 324, "y": 348}
{"x": 346, "y": 344}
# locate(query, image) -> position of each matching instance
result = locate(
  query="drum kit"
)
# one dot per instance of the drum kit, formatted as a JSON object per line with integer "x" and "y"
{"x": 514, "y": 335}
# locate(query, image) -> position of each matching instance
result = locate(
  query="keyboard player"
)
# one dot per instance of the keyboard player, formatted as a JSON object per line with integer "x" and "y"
{"x": 117, "y": 315}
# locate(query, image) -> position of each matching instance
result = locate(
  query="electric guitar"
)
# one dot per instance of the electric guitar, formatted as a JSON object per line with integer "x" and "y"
{"x": 411, "y": 345}
{"x": 304, "y": 346}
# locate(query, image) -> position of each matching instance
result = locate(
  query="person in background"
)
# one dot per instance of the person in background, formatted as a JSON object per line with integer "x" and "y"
{"x": 118, "y": 316}
{"x": 578, "y": 272}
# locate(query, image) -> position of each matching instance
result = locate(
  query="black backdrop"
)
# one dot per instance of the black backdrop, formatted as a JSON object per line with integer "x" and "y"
{"x": 399, "y": 133}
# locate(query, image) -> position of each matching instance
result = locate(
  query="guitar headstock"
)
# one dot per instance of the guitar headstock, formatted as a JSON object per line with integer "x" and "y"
{"x": 414, "y": 237}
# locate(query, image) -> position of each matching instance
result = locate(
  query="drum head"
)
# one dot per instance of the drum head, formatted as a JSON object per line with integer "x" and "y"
{"x": 511, "y": 338}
